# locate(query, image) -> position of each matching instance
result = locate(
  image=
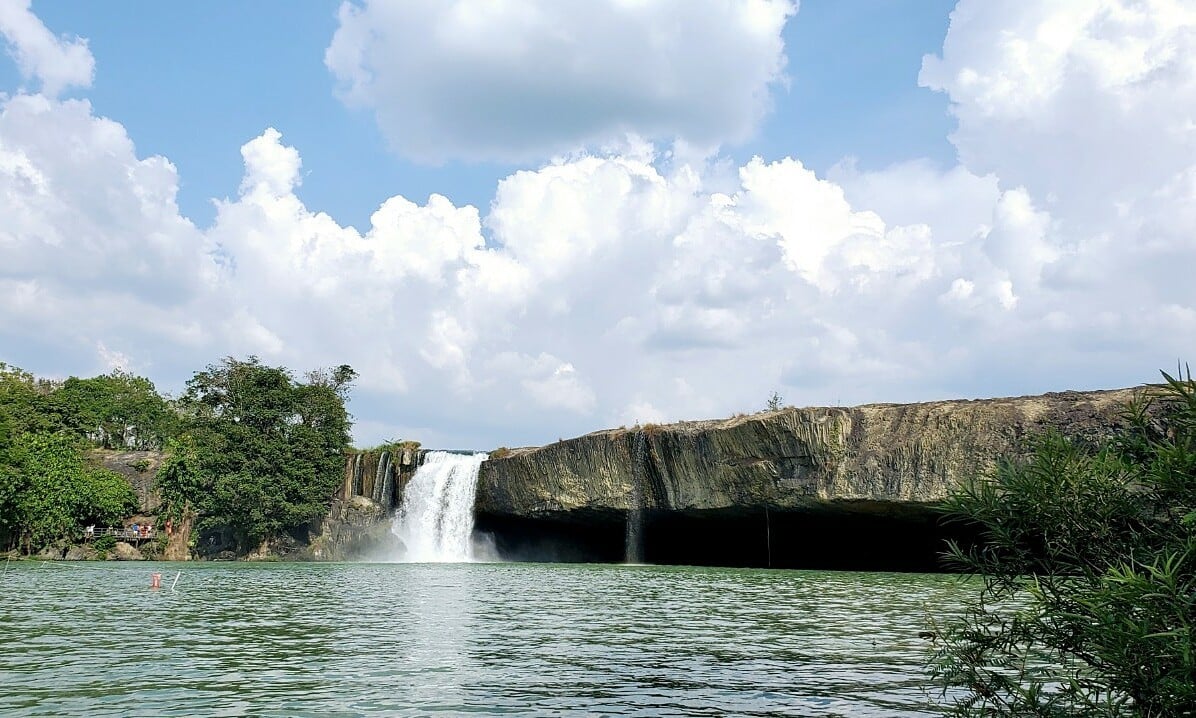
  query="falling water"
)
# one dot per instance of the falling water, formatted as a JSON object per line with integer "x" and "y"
{"x": 388, "y": 479}
{"x": 357, "y": 477}
{"x": 435, "y": 519}
{"x": 382, "y": 480}
{"x": 634, "y": 541}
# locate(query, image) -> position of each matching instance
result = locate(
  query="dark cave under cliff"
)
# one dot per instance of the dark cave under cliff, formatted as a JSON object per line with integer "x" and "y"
{"x": 859, "y": 538}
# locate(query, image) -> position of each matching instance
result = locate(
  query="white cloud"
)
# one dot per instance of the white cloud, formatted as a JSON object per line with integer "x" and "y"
{"x": 113, "y": 360}
{"x": 1086, "y": 104}
{"x": 482, "y": 80}
{"x": 58, "y": 62}
{"x": 643, "y": 285}
{"x": 84, "y": 217}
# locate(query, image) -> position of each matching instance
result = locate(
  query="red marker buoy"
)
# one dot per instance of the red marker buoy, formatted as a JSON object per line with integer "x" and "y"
{"x": 155, "y": 580}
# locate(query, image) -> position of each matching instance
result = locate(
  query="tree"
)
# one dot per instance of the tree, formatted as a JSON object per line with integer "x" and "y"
{"x": 1088, "y": 561}
{"x": 50, "y": 492}
{"x": 260, "y": 452}
{"x": 115, "y": 411}
{"x": 774, "y": 402}
{"x": 25, "y": 405}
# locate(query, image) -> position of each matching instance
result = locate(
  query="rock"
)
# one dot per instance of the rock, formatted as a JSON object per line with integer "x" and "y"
{"x": 803, "y": 488}
{"x": 81, "y": 552}
{"x": 124, "y": 552}
{"x": 877, "y": 457}
{"x": 139, "y": 468}
{"x": 355, "y": 528}
{"x": 178, "y": 544}
{"x": 50, "y": 553}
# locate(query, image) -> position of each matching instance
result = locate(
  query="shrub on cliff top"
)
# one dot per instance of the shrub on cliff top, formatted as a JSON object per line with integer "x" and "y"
{"x": 1088, "y": 558}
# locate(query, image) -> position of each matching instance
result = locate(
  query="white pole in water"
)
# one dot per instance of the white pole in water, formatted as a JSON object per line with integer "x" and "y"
{"x": 176, "y": 580}
{"x": 6, "y": 565}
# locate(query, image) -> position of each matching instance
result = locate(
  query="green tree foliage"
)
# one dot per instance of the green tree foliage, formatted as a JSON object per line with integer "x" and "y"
{"x": 260, "y": 451}
{"x": 1088, "y": 560}
{"x": 25, "y": 405}
{"x": 49, "y": 492}
{"x": 115, "y": 411}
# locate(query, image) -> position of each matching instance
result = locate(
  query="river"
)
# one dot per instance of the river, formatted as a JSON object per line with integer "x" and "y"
{"x": 419, "y": 639}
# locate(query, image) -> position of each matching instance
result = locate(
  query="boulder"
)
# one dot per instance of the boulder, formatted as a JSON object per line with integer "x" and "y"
{"x": 51, "y": 553}
{"x": 124, "y": 552}
{"x": 81, "y": 552}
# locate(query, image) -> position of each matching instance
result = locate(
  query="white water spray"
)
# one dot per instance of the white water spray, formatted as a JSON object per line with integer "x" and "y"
{"x": 435, "y": 519}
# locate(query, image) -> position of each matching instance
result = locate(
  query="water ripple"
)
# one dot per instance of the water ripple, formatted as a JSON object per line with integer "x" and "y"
{"x": 511, "y": 639}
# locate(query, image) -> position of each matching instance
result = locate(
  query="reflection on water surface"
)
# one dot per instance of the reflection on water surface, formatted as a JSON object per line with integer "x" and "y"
{"x": 518, "y": 639}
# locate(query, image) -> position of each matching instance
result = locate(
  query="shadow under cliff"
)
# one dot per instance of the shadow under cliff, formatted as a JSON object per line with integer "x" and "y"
{"x": 858, "y": 540}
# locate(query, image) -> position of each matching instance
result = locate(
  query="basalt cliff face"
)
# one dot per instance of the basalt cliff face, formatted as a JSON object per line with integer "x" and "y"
{"x": 833, "y": 487}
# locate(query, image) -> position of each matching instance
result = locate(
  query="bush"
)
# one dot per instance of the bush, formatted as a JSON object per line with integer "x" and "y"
{"x": 1088, "y": 560}
{"x": 105, "y": 543}
{"x": 501, "y": 452}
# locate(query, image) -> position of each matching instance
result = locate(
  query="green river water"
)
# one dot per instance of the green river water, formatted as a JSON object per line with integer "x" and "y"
{"x": 513, "y": 639}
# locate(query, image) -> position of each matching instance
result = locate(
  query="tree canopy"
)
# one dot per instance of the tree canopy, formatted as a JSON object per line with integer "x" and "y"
{"x": 47, "y": 490}
{"x": 259, "y": 451}
{"x": 116, "y": 411}
{"x": 251, "y": 450}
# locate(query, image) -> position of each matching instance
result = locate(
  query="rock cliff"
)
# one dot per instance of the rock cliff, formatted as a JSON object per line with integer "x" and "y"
{"x": 139, "y": 468}
{"x": 874, "y": 457}
{"x": 816, "y": 487}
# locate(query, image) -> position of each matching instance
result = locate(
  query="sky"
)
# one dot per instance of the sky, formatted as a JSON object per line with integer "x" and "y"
{"x": 525, "y": 221}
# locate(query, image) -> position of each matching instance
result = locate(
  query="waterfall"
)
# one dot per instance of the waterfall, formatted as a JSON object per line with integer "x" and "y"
{"x": 634, "y": 540}
{"x": 381, "y": 479}
{"x": 386, "y": 466}
{"x": 356, "y": 476}
{"x": 435, "y": 519}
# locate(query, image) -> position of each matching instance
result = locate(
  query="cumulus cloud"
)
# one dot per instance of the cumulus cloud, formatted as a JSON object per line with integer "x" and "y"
{"x": 512, "y": 81}
{"x": 643, "y": 284}
{"x": 86, "y": 222}
{"x": 57, "y": 62}
{"x": 1086, "y": 104}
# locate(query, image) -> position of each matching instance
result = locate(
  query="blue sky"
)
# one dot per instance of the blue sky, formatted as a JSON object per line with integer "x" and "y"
{"x": 192, "y": 82}
{"x": 530, "y": 220}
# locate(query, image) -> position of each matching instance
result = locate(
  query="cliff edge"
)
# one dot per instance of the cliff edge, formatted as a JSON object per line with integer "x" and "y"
{"x": 878, "y": 457}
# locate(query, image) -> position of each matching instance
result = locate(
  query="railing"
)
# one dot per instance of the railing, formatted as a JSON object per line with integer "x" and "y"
{"x": 124, "y": 533}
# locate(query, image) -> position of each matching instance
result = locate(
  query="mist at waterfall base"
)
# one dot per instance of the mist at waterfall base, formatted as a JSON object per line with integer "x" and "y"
{"x": 435, "y": 521}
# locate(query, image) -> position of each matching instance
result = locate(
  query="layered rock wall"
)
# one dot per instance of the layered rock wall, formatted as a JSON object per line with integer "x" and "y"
{"x": 880, "y": 457}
